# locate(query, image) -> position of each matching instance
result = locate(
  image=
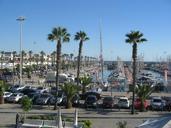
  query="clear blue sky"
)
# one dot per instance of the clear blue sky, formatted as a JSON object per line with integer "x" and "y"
{"x": 118, "y": 17}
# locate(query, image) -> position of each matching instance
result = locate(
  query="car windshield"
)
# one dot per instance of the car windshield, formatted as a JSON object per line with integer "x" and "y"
{"x": 14, "y": 94}
{"x": 44, "y": 96}
{"x": 123, "y": 100}
{"x": 91, "y": 98}
{"x": 7, "y": 93}
{"x": 107, "y": 99}
{"x": 156, "y": 100}
{"x": 39, "y": 88}
{"x": 16, "y": 86}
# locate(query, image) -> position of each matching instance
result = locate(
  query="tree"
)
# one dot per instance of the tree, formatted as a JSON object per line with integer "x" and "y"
{"x": 23, "y": 53}
{"x": 53, "y": 57}
{"x": 36, "y": 58}
{"x": 121, "y": 124}
{"x": 3, "y": 87}
{"x": 14, "y": 55}
{"x": 134, "y": 37}
{"x": 42, "y": 53}
{"x": 26, "y": 105}
{"x": 85, "y": 81}
{"x": 87, "y": 124}
{"x": 2, "y": 58}
{"x": 143, "y": 92}
{"x": 30, "y": 56}
{"x": 59, "y": 35}
{"x": 71, "y": 62}
{"x": 28, "y": 71}
{"x": 70, "y": 90}
{"x": 82, "y": 37}
{"x": 1, "y": 92}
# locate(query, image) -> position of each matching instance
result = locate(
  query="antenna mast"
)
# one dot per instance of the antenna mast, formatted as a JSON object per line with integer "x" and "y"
{"x": 101, "y": 52}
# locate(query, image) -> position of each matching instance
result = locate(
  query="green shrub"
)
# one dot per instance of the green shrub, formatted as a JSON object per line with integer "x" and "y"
{"x": 26, "y": 104}
{"x": 121, "y": 124}
{"x": 87, "y": 124}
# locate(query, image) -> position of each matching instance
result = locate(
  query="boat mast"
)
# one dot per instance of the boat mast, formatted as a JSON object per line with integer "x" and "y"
{"x": 101, "y": 53}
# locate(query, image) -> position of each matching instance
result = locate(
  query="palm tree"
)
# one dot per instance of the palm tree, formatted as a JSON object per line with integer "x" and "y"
{"x": 53, "y": 57}
{"x": 36, "y": 58}
{"x": 14, "y": 55}
{"x": 30, "y": 56}
{"x": 134, "y": 37}
{"x": 85, "y": 81}
{"x": 143, "y": 92}
{"x": 23, "y": 53}
{"x": 70, "y": 90}
{"x": 59, "y": 35}
{"x": 1, "y": 92}
{"x": 42, "y": 53}
{"x": 81, "y": 36}
{"x": 71, "y": 56}
{"x": 2, "y": 54}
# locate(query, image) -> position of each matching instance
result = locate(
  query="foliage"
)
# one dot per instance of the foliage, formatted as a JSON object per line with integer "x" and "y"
{"x": 85, "y": 81}
{"x": 70, "y": 90}
{"x": 121, "y": 124}
{"x": 87, "y": 124}
{"x": 3, "y": 86}
{"x": 143, "y": 92}
{"x": 28, "y": 70}
{"x": 26, "y": 104}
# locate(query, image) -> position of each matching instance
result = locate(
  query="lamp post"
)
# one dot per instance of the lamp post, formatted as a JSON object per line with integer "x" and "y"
{"x": 20, "y": 19}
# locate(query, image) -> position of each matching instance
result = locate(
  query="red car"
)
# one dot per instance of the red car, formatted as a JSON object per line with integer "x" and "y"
{"x": 137, "y": 104}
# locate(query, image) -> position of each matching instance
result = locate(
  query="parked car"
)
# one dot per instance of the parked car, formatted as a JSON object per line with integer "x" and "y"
{"x": 16, "y": 88}
{"x": 108, "y": 102}
{"x": 6, "y": 95}
{"x": 76, "y": 100}
{"x": 85, "y": 95}
{"x": 91, "y": 101}
{"x": 137, "y": 104}
{"x": 15, "y": 97}
{"x": 157, "y": 103}
{"x": 168, "y": 103}
{"x": 61, "y": 99}
{"x": 123, "y": 102}
{"x": 43, "y": 99}
{"x": 33, "y": 96}
{"x": 26, "y": 91}
{"x": 42, "y": 89}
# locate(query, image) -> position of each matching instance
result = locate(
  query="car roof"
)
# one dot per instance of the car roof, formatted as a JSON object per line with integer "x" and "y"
{"x": 156, "y": 97}
{"x": 123, "y": 98}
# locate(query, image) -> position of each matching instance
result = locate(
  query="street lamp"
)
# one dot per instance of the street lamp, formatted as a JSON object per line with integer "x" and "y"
{"x": 20, "y": 19}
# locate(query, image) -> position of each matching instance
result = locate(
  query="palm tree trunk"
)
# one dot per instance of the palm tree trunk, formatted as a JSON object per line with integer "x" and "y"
{"x": 69, "y": 103}
{"x": 79, "y": 61}
{"x": 13, "y": 70}
{"x": 1, "y": 61}
{"x": 134, "y": 57}
{"x": 30, "y": 60}
{"x": 142, "y": 106}
{"x": 58, "y": 51}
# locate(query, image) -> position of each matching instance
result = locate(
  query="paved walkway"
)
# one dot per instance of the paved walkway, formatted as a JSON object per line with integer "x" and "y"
{"x": 100, "y": 118}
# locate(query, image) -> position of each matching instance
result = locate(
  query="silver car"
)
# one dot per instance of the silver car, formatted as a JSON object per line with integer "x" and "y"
{"x": 123, "y": 102}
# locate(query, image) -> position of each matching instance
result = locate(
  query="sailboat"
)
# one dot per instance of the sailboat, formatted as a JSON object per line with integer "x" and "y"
{"x": 101, "y": 62}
